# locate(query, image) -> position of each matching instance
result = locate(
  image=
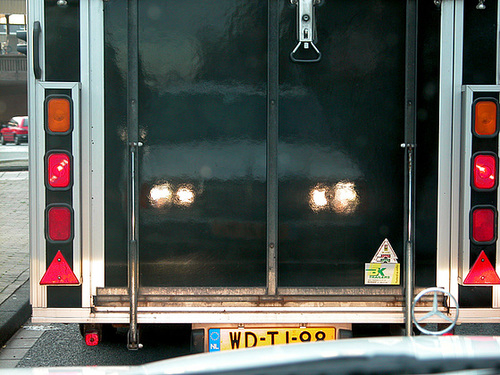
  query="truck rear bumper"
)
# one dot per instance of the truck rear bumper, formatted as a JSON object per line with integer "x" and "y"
{"x": 389, "y": 315}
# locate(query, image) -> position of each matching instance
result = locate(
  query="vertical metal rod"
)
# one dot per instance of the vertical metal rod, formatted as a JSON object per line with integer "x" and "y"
{"x": 272, "y": 145}
{"x": 133, "y": 133}
{"x": 409, "y": 253}
{"x": 410, "y": 139}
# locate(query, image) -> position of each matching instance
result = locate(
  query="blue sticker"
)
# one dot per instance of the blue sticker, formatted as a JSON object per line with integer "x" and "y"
{"x": 214, "y": 340}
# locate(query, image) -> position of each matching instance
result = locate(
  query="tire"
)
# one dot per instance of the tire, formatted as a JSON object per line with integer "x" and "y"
{"x": 2, "y": 140}
{"x": 16, "y": 140}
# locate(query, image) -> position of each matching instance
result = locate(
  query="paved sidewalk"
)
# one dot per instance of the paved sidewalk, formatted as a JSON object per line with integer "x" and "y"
{"x": 20, "y": 343}
{"x": 14, "y": 251}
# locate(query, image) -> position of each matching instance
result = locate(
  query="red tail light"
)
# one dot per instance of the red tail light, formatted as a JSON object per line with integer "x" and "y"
{"x": 59, "y": 170}
{"x": 484, "y": 171}
{"x": 59, "y": 223}
{"x": 483, "y": 225}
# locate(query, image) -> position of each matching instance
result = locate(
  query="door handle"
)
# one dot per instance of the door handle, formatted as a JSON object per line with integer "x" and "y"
{"x": 37, "y": 30}
{"x": 306, "y": 51}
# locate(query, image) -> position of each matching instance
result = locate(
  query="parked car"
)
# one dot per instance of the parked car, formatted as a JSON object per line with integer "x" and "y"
{"x": 15, "y": 131}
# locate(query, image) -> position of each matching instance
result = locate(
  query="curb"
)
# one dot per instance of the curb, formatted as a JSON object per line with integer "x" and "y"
{"x": 13, "y": 168}
{"x": 14, "y": 312}
{"x": 13, "y": 165}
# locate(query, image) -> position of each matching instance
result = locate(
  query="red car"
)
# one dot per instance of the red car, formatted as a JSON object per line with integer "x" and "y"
{"x": 15, "y": 131}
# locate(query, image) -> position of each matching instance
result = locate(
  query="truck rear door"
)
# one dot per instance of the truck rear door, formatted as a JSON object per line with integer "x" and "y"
{"x": 259, "y": 173}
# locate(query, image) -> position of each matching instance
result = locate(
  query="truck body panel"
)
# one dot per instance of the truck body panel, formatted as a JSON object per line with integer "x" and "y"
{"x": 217, "y": 180}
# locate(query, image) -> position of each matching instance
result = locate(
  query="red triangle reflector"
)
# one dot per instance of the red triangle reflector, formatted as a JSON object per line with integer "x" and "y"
{"x": 482, "y": 272}
{"x": 59, "y": 272}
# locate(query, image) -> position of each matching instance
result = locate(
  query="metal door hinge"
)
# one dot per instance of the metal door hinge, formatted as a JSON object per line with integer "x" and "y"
{"x": 306, "y": 51}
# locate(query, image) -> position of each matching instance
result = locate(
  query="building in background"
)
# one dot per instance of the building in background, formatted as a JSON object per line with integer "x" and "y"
{"x": 13, "y": 92}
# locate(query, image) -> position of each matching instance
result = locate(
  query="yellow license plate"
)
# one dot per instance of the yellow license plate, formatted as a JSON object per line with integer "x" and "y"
{"x": 231, "y": 339}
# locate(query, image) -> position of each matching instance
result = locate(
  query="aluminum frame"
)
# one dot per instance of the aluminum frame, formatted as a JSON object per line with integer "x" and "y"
{"x": 36, "y": 172}
{"x": 465, "y": 202}
{"x": 37, "y": 189}
{"x": 445, "y": 166}
{"x": 93, "y": 106}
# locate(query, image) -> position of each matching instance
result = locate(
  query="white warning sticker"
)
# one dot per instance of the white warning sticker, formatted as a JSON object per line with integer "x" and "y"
{"x": 385, "y": 254}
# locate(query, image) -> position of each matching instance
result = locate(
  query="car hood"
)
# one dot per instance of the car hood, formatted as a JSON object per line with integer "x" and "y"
{"x": 391, "y": 355}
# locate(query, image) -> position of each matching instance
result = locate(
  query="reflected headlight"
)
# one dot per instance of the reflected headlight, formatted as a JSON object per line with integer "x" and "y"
{"x": 318, "y": 198}
{"x": 341, "y": 198}
{"x": 160, "y": 195}
{"x": 345, "y": 198}
{"x": 185, "y": 196}
{"x": 163, "y": 194}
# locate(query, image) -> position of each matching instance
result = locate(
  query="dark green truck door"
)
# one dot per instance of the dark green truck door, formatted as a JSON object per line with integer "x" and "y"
{"x": 205, "y": 86}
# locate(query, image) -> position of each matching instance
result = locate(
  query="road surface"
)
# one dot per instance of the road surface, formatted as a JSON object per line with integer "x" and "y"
{"x": 11, "y": 152}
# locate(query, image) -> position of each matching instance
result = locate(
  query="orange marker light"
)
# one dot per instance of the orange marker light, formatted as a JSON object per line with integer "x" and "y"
{"x": 485, "y": 118}
{"x": 59, "y": 114}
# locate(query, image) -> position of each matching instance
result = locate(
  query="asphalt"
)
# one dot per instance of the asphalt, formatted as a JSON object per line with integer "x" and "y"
{"x": 15, "y": 309}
